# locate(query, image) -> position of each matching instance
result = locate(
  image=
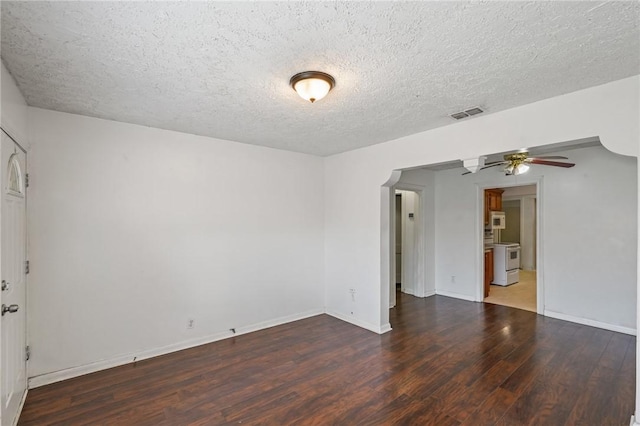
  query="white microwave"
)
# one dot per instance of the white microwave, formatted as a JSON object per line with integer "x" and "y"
{"x": 497, "y": 220}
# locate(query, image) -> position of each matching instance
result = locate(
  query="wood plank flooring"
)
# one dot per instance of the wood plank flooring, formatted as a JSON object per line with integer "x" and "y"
{"x": 446, "y": 362}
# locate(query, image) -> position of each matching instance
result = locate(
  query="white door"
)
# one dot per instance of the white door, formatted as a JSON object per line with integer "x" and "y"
{"x": 12, "y": 270}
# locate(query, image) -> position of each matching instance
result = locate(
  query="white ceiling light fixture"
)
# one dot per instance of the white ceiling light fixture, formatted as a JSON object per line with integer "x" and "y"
{"x": 516, "y": 170}
{"x": 516, "y": 164}
{"x": 522, "y": 168}
{"x": 312, "y": 85}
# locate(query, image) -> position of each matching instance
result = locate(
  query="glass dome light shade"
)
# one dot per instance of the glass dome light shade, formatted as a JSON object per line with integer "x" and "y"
{"x": 312, "y": 85}
{"x": 522, "y": 168}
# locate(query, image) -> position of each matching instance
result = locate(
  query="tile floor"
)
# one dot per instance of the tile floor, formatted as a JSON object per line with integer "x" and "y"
{"x": 521, "y": 295}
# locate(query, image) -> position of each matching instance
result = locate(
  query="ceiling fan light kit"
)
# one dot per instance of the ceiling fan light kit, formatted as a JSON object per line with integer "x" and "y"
{"x": 516, "y": 170}
{"x": 312, "y": 85}
{"x": 516, "y": 163}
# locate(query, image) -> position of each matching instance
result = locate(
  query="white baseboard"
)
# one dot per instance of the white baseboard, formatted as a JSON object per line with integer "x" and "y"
{"x": 362, "y": 324}
{"x": 385, "y": 328}
{"x": 20, "y": 407}
{"x": 68, "y": 373}
{"x": 412, "y": 292}
{"x": 592, "y": 323}
{"x": 456, "y": 295}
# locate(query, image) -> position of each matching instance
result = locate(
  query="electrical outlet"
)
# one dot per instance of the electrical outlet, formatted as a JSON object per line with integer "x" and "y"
{"x": 353, "y": 294}
{"x": 453, "y": 279}
{"x": 190, "y": 323}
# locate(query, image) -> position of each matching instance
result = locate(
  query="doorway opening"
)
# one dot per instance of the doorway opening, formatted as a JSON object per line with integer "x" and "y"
{"x": 407, "y": 242}
{"x": 410, "y": 220}
{"x": 510, "y": 246}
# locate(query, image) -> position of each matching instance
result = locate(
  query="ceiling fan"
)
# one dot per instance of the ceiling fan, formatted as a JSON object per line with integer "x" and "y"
{"x": 518, "y": 163}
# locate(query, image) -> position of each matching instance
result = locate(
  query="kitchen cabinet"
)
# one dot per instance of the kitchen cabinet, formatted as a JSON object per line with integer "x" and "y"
{"x": 488, "y": 270}
{"x": 492, "y": 202}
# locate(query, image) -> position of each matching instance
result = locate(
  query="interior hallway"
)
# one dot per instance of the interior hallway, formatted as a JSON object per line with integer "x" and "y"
{"x": 521, "y": 295}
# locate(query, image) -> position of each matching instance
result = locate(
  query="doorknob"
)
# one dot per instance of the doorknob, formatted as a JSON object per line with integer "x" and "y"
{"x": 12, "y": 309}
{"x": 5, "y": 285}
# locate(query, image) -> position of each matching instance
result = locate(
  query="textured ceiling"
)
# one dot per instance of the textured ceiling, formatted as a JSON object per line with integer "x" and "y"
{"x": 222, "y": 69}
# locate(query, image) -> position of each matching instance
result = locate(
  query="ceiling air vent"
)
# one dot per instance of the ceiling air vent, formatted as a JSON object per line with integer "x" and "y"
{"x": 467, "y": 113}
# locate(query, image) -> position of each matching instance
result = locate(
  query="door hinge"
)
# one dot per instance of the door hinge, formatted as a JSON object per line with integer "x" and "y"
{"x": 26, "y": 180}
{"x": 26, "y": 266}
{"x": 27, "y": 353}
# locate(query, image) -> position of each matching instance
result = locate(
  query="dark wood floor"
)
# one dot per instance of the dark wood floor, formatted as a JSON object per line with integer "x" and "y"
{"x": 446, "y": 362}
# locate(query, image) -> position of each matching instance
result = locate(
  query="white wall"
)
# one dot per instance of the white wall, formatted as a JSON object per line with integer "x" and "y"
{"x": 519, "y": 191}
{"x": 354, "y": 209}
{"x": 588, "y": 234}
{"x": 135, "y": 230}
{"x": 13, "y": 109}
{"x": 528, "y": 231}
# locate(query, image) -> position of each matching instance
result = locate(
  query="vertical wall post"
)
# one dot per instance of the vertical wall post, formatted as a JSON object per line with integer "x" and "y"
{"x": 387, "y": 255}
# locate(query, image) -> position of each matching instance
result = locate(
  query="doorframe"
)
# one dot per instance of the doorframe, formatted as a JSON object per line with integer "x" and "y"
{"x": 522, "y": 181}
{"x": 387, "y": 242}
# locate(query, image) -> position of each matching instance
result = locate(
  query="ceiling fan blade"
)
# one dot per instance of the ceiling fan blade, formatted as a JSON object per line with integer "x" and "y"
{"x": 499, "y": 163}
{"x": 549, "y": 157}
{"x": 551, "y": 163}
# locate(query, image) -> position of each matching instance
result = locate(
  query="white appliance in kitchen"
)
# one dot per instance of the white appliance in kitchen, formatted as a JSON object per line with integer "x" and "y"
{"x": 497, "y": 220}
{"x": 506, "y": 263}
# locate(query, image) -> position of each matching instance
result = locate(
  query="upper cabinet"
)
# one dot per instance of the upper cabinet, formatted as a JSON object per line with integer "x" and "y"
{"x": 492, "y": 202}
